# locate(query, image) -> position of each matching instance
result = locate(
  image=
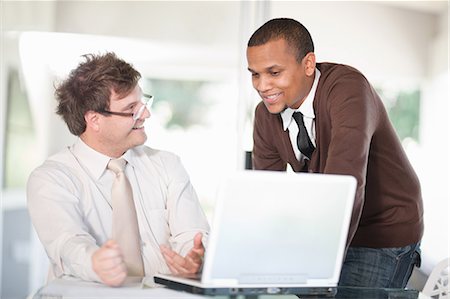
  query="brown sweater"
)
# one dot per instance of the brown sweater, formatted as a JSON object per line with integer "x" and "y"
{"x": 353, "y": 136}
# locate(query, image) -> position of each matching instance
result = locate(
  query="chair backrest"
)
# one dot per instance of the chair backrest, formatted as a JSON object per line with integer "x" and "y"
{"x": 437, "y": 286}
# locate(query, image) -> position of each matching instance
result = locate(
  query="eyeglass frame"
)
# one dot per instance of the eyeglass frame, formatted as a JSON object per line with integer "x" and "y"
{"x": 146, "y": 100}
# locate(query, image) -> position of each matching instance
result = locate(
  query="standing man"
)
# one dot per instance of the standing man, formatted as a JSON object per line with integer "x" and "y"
{"x": 109, "y": 207}
{"x": 327, "y": 118}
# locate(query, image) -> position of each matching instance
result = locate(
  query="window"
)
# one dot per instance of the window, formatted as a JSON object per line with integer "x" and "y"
{"x": 20, "y": 156}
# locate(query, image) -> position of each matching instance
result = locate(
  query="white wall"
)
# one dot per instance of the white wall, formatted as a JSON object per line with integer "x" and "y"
{"x": 384, "y": 42}
{"x": 433, "y": 162}
{"x": 15, "y": 17}
{"x": 192, "y": 22}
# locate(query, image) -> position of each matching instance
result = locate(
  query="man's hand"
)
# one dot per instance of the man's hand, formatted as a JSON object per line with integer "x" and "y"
{"x": 109, "y": 265}
{"x": 191, "y": 263}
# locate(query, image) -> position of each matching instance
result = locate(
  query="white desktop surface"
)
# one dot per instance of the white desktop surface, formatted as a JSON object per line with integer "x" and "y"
{"x": 76, "y": 289}
{"x": 71, "y": 288}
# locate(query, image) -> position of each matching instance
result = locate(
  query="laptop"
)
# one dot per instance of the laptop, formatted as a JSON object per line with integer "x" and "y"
{"x": 274, "y": 233}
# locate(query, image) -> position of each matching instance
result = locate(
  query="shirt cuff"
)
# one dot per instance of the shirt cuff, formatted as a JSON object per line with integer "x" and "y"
{"x": 90, "y": 273}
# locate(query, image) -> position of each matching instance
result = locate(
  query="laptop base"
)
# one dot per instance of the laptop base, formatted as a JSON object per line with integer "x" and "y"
{"x": 213, "y": 291}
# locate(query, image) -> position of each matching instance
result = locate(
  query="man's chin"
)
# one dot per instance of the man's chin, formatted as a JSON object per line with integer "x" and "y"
{"x": 275, "y": 109}
{"x": 141, "y": 139}
{"x": 144, "y": 139}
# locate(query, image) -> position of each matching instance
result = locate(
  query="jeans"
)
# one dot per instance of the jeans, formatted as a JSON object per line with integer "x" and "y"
{"x": 379, "y": 267}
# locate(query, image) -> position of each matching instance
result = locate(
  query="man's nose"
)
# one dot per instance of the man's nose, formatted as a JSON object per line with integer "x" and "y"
{"x": 263, "y": 84}
{"x": 146, "y": 113}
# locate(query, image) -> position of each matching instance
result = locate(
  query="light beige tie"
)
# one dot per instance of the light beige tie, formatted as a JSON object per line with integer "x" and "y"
{"x": 125, "y": 228}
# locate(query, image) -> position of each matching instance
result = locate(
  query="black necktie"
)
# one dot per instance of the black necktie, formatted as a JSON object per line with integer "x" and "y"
{"x": 303, "y": 142}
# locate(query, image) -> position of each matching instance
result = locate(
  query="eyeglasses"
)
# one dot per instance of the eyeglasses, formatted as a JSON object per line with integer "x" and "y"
{"x": 146, "y": 101}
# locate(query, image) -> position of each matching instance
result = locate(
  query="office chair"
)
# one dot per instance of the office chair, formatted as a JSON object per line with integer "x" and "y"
{"x": 437, "y": 286}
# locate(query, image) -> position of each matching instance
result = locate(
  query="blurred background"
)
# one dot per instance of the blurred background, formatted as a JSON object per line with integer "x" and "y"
{"x": 192, "y": 58}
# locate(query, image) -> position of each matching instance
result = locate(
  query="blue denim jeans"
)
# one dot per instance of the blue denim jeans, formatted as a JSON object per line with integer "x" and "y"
{"x": 379, "y": 267}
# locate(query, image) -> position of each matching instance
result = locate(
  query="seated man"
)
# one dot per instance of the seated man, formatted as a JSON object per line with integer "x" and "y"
{"x": 109, "y": 207}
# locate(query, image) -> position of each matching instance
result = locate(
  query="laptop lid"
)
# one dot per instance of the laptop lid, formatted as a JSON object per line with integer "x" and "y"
{"x": 277, "y": 230}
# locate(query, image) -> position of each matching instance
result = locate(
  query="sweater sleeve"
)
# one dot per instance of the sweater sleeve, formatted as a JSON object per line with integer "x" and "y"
{"x": 353, "y": 113}
{"x": 265, "y": 153}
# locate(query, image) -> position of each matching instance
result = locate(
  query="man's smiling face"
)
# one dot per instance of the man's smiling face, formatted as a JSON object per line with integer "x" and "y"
{"x": 277, "y": 76}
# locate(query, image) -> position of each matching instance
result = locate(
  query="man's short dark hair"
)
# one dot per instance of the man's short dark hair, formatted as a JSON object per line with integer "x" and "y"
{"x": 89, "y": 87}
{"x": 295, "y": 34}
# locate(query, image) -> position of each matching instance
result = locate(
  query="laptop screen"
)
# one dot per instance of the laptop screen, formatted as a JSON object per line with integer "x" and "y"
{"x": 279, "y": 228}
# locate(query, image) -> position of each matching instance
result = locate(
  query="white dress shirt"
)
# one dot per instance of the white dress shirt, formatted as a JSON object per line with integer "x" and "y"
{"x": 69, "y": 200}
{"x": 307, "y": 109}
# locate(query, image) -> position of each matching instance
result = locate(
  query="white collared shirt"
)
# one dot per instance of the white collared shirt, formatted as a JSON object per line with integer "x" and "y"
{"x": 307, "y": 109}
{"x": 69, "y": 200}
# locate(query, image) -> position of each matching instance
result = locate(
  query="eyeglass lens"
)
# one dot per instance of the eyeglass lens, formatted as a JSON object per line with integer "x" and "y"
{"x": 147, "y": 101}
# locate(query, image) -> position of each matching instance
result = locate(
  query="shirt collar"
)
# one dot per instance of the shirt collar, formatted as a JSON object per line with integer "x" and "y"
{"x": 94, "y": 161}
{"x": 132, "y": 156}
{"x": 306, "y": 108}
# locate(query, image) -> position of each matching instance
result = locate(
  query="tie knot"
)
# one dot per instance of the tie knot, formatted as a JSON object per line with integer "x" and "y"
{"x": 117, "y": 165}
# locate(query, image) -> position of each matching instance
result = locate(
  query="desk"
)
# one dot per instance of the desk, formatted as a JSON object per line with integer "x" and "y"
{"x": 62, "y": 288}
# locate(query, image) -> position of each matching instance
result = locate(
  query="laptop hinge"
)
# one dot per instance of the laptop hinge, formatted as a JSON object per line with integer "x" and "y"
{"x": 272, "y": 278}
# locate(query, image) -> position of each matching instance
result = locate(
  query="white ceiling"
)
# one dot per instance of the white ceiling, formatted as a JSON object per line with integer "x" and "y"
{"x": 430, "y": 6}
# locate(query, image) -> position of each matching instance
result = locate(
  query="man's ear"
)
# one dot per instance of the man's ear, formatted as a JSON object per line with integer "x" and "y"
{"x": 92, "y": 120}
{"x": 310, "y": 64}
